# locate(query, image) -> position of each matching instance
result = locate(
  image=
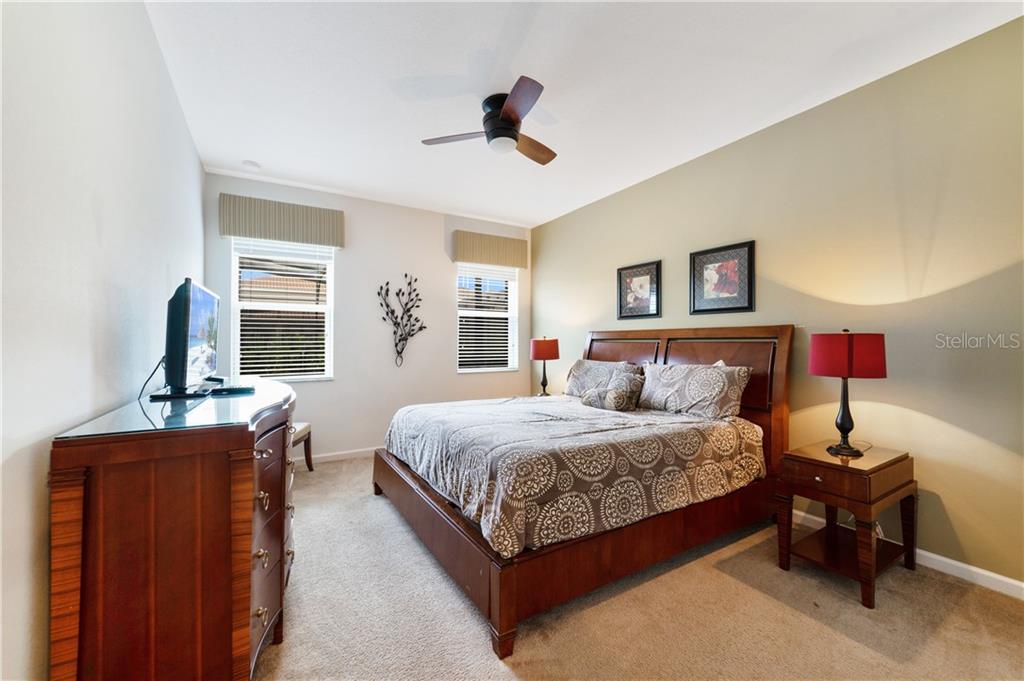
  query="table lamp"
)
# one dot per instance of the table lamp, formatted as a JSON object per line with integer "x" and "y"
{"x": 544, "y": 349}
{"x": 846, "y": 355}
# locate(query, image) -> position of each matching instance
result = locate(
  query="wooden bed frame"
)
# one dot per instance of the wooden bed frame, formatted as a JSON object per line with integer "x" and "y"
{"x": 508, "y": 591}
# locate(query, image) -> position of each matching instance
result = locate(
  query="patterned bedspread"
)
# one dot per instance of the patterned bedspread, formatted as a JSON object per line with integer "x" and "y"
{"x": 533, "y": 471}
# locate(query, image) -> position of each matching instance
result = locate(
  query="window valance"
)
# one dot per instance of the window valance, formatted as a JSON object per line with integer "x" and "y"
{"x": 487, "y": 249}
{"x": 245, "y": 216}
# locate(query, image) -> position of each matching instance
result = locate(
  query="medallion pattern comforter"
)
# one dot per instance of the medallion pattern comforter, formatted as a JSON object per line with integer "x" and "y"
{"x": 535, "y": 471}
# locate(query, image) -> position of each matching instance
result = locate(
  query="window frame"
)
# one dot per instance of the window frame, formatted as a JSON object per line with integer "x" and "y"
{"x": 285, "y": 251}
{"x": 512, "y": 315}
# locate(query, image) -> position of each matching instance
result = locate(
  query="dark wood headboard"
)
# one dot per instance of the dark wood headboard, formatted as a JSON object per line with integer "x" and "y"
{"x": 765, "y": 349}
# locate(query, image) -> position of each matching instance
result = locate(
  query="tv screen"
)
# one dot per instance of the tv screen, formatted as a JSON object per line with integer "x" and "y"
{"x": 204, "y": 308}
{"x": 192, "y": 319}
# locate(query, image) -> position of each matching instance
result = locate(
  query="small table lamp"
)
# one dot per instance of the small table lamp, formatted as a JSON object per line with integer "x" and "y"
{"x": 544, "y": 349}
{"x": 846, "y": 355}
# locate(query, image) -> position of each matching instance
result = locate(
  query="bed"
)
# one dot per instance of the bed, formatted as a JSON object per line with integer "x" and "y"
{"x": 512, "y": 562}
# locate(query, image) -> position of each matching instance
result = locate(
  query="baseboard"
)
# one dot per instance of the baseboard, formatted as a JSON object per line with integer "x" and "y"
{"x": 968, "y": 573}
{"x": 341, "y": 456}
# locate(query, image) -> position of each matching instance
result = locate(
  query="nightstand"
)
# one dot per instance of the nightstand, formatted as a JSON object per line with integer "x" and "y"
{"x": 864, "y": 486}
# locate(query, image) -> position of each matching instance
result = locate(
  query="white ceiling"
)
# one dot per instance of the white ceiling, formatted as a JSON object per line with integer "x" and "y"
{"x": 338, "y": 96}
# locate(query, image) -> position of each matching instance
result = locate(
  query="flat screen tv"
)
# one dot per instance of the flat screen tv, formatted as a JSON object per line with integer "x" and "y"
{"x": 193, "y": 313}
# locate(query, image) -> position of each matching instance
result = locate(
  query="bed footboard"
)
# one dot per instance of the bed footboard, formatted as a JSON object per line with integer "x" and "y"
{"x": 508, "y": 591}
{"x": 486, "y": 578}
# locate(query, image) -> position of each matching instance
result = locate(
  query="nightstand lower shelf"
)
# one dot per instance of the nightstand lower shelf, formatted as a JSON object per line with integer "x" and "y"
{"x": 842, "y": 557}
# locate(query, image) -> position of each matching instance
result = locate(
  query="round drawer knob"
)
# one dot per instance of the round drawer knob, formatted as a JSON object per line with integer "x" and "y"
{"x": 262, "y": 614}
{"x": 817, "y": 478}
{"x": 263, "y": 556}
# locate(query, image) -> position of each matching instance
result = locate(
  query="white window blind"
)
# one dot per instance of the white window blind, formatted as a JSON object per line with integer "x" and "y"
{"x": 282, "y": 314}
{"x": 488, "y": 305}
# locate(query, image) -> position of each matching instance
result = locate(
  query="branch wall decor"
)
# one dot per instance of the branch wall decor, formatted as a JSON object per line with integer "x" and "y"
{"x": 406, "y": 324}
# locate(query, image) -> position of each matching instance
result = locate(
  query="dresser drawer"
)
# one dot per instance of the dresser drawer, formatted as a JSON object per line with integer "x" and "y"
{"x": 825, "y": 479}
{"x": 267, "y": 492}
{"x": 289, "y": 517}
{"x": 289, "y": 473}
{"x": 288, "y": 559}
{"x": 266, "y": 545}
{"x": 271, "y": 445}
{"x": 266, "y": 606}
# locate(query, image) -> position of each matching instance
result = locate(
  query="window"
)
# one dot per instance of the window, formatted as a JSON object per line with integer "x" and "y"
{"x": 488, "y": 318}
{"x": 283, "y": 297}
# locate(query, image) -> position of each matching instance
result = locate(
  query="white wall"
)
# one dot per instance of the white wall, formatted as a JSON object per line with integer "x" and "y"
{"x": 102, "y": 218}
{"x": 382, "y": 241}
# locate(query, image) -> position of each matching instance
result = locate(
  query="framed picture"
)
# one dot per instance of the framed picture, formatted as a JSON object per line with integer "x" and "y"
{"x": 640, "y": 290}
{"x": 722, "y": 279}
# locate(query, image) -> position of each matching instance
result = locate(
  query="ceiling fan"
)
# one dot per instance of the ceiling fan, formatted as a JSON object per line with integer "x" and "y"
{"x": 503, "y": 113}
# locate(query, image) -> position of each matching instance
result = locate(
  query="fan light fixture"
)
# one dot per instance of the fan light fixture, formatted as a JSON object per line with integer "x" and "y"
{"x": 502, "y": 145}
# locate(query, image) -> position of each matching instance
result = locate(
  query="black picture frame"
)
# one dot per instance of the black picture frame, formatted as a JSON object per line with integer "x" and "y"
{"x": 628, "y": 309}
{"x": 742, "y": 300}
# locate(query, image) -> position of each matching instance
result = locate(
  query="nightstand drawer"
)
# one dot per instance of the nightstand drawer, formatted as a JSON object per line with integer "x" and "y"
{"x": 826, "y": 479}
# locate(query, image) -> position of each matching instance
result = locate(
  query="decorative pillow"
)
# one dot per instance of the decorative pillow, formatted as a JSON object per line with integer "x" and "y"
{"x": 621, "y": 394}
{"x": 707, "y": 391}
{"x": 589, "y": 374}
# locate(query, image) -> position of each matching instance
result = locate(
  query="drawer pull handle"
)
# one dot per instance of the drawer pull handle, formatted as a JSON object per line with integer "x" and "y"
{"x": 263, "y": 453}
{"x": 264, "y": 499}
{"x": 263, "y": 556}
{"x": 817, "y": 478}
{"x": 291, "y": 555}
{"x": 289, "y": 461}
{"x": 262, "y": 614}
{"x": 290, "y": 508}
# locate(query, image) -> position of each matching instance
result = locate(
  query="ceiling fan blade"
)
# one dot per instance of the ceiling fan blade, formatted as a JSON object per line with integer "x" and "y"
{"x": 454, "y": 138}
{"x": 534, "y": 150}
{"x": 524, "y": 95}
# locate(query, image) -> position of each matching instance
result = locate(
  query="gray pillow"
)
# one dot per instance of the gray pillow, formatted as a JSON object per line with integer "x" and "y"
{"x": 589, "y": 374}
{"x": 707, "y": 391}
{"x": 622, "y": 393}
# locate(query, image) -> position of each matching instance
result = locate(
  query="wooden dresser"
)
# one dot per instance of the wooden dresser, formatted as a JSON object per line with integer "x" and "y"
{"x": 170, "y": 538}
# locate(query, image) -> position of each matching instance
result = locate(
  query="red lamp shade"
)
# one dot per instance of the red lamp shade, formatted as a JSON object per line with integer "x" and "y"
{"x": 544, "y": 348}
{"x": 847, "y": 355}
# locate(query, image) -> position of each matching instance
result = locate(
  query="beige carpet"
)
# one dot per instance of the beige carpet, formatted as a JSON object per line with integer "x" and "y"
{"x": 367, "y": 601}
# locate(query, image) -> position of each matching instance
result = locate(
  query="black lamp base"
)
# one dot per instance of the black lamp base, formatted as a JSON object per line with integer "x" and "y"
{"x": 844, "y": 424}
{"x": 544, "y": 380}
{"x": 844, "y": 449}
